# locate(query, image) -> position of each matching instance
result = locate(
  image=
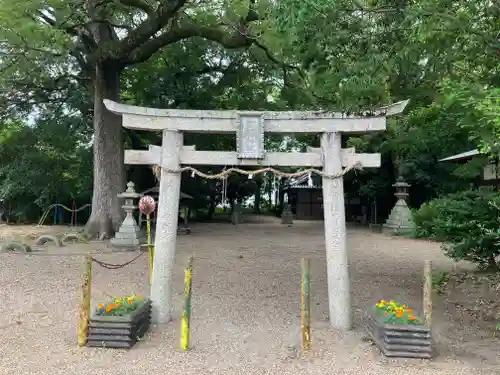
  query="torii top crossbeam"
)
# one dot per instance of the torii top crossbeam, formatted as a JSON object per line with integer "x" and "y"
{"x": 144, "y": 118}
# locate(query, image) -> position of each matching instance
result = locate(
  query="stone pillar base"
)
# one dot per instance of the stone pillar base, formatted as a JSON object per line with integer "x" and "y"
{"x": 287, "y": 216}
{"x": 400, "y": 220}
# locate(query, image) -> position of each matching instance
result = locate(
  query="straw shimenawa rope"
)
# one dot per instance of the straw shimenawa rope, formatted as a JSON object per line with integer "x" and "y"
{"x": 157, "y": 172}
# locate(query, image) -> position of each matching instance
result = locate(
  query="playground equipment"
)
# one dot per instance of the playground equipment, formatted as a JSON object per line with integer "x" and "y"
{"x": 57, "y": 207}
{"x": 44, "y": 238}
{"x": 15, "y": 246}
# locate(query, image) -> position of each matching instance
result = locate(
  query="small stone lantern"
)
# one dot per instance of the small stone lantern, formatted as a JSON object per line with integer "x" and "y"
{"x": 400, "y": 219}
{"x": 129, "y": 233}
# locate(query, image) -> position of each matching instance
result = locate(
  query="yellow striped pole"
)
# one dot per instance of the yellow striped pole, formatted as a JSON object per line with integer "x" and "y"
{"x": 428, "y": 293}
{"x": 150, "y": 249}
{"x": 305, "y": 306}
{"x": 84, "y": 308}
{"x": 186, "y": 314}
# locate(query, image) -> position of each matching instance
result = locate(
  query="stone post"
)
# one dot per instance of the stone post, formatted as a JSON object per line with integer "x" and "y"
{"x": 129, "y": 233}
{"x": 339, "y": 297}
{"x": 400, "y": 219}
{"x": 286, "y": 215}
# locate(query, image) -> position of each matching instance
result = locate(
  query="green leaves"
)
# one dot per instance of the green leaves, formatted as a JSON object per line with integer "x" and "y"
{"x": 468, "y": 221}
{"x": 42, "y": 163}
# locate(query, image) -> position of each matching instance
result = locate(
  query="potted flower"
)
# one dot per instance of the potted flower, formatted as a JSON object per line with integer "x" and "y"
{"x": 398, "y": 331}
{"x": 119, "y": 323}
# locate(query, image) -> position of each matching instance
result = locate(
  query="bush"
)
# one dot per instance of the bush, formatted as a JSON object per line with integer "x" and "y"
{"x": 468, "y": 221}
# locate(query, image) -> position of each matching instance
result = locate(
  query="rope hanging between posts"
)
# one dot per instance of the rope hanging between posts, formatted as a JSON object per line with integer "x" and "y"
{"x": 276, "y": 172}
{"x": 111, "y": 266}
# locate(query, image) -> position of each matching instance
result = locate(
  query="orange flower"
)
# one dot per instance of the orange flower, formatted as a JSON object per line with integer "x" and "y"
{"x": 129, "y": 301}
{"x": 117, "y": 304}
{"x": 399, "y": 314}
{"x": 139, "y": 298}
{"x": 99, "y": 306}
{"x": 411, "y": 317}
{"x": 409, "y": 310}
{"x": 109, "y": 308}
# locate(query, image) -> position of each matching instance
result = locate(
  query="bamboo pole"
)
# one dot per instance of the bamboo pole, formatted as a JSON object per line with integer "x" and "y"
{"x": 84, "y": 308}
{"x": 150, "y": 249}
{"x": 428, "y": 293}
{"x": 305, "y": 306}
{"x": 186, "y": 314}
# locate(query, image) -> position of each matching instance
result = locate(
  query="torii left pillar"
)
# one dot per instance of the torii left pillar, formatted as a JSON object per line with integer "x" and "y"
{"x": 166, "y": 226}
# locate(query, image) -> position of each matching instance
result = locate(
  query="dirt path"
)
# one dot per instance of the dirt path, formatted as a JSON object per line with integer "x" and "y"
{"x": 245, "y": 306}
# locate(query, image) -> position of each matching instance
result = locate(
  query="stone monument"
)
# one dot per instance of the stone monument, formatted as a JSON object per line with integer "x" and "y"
{"x": 129, "y": 233}
{"x": 400, "y": 219}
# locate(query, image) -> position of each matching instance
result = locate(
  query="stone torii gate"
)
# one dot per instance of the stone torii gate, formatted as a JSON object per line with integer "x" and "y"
{"x": 250, "y": 128}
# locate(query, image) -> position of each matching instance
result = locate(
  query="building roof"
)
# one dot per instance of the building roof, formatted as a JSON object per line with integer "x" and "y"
{"x": 156, "y": 189}
{"x": 463, "y": 156}
{"x": 302, "y": 182}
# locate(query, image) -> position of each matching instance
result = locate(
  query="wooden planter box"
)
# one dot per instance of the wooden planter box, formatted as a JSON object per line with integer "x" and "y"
{"x": 119, "y": 331}
{"x": 398, "y": 340}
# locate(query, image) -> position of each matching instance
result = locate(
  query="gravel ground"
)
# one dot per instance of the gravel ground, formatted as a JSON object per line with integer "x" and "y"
{"x": 245, "y": 306}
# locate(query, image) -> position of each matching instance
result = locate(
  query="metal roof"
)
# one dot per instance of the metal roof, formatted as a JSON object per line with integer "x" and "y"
{"x": 156, "y": 189}
{"x": 464, "y": 155}
{"x": 302, "y": 187}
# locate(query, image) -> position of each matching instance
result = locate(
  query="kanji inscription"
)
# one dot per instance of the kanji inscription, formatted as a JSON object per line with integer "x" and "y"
{"x": 250, "y": 137}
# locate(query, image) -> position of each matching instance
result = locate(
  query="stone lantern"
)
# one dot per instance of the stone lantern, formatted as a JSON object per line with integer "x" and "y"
{"x": 401, "y": 188}
{"x": 129, "y": 233}
{"x": 400, "y": 219}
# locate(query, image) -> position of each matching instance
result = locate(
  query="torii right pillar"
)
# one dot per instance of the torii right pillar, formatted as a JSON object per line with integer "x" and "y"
{"x": 339, "y": 294}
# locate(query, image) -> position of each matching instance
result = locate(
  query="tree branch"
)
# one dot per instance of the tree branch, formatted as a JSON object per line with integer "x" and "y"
{"x": 279, "y": 63}
{"x": 118, "y": 50}
{"x": 236, "y": 38}
{"x": 139, "y": 4}
{"x": 78, "y": 31}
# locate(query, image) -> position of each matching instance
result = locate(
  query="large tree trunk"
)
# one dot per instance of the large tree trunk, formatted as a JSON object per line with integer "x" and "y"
{"x": 109, "y": 169}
